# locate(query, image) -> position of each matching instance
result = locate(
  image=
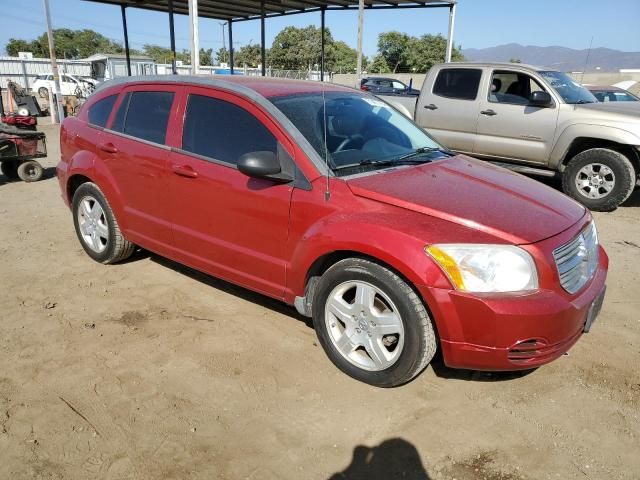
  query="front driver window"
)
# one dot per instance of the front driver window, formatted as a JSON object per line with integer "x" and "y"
{"x": 512, "y": 87}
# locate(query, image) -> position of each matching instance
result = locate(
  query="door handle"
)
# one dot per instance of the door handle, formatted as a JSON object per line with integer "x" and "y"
{"x": 184, "y": 171}
{"x": 108, "y": 147}
{"x": 489, "y": 113}
{"x": 431, "y": 106}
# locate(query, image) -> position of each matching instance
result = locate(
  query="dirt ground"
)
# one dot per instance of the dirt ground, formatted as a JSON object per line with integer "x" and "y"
{"x": 149, "y": 370}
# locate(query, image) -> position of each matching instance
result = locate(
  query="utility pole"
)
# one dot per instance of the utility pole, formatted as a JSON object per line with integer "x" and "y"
{"x": 360, "y": 22}
{"x": 224, "y": 45}
{"x": 56, "y": 108}
{"x": 195, "y": 41}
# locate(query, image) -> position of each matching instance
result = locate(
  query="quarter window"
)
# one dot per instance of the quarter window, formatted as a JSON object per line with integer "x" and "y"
{"x": 460, "y": 83}
{"x": 99, "y": 111}
{"x": 223, "y": 131}
{"x": 147, "y": 116}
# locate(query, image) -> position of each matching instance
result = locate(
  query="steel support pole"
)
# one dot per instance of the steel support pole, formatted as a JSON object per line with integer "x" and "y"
{"x": 263, "y": 53}
{"x": 322, "y": 12}
{"x": 360, "y": 26}
{"x": 194, "y": 33}
{"x": 126, "y": 38}
{"x": 230, "y": 30}
{"x": 172, "y": 37}
{"x": 56, "y": 108}
{"x": 452, "y": 19}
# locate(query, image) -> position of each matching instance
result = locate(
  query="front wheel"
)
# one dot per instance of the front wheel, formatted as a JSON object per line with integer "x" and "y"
{"x": 599, "y": 178}
{"x": 372, "y": 324}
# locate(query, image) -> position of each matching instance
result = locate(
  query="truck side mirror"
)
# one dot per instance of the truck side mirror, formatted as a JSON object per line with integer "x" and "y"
{"x": 540, "y": 99}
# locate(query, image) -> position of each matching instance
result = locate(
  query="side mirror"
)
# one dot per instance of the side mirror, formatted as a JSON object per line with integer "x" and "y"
{"x": 540, "y": 99}
{"x": 262, "y": 164}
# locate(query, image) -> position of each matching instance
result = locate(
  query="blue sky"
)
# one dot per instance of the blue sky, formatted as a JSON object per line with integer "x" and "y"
{"x": 479, "y": 23}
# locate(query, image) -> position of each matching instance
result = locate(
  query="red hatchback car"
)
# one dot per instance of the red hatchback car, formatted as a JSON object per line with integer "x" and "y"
{"x": 328, "y": 199}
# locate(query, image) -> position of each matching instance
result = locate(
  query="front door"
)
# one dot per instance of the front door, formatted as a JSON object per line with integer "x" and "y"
{"x": 224, "y": 222}
{"x": 508, "y": 126}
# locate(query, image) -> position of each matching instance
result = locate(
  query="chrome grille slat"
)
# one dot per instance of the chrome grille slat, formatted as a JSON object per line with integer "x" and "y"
{"x": 576, "y": 260}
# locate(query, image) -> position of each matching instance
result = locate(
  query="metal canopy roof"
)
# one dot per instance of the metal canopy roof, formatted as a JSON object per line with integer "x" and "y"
{"x": 240, "y": 10}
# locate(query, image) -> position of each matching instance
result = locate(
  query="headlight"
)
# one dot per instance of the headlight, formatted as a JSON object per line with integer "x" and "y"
{"x": 486, "y": 268}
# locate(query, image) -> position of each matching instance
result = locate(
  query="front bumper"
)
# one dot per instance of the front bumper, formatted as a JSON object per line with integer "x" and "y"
{"x": 514, "y": 331}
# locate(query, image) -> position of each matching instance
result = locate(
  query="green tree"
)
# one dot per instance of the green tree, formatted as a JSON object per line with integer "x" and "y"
{"x": 298, "y": 48}
{"x": 248, "y": 55}
{"x": 206, "y": 57}
{"x": 163, "y": 54}
{"x": 70, "y": 44}
{"x": 342, "y": 58}
{"x": 378, "y": 65}
{"x": 428, "y": 50}
{"x": 222, "y": 55}
{"x": 394, "y": 47}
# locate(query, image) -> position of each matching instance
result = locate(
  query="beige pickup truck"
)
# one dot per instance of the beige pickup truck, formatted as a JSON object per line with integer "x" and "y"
{"x": 533, "y": 120}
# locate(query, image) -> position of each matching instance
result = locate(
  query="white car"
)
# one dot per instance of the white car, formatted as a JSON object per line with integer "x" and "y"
{"x": 69, "y": 85}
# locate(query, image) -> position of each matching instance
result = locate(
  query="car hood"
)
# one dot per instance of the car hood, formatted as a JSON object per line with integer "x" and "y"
{"x": 619, "y": 108}
{"x": 474, "y": 194}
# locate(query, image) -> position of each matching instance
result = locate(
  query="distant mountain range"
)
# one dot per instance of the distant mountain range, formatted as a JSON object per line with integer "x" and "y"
{"x": 558, "y": 58}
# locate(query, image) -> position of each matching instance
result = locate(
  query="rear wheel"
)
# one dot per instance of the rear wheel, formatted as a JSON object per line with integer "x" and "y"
{"x": 599, "y": 178}
{"x": 30, "y": 171}
{"x": 371, "y": 323}
{"x": 96, "y": 226}
{"x": 9, "y": 169}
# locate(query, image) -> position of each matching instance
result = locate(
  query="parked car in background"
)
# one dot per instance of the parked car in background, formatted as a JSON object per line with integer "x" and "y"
{"x": 386, "y": 86}
{"x": 69, "y": 85}
{"x": 533, "y": 120}
{"x": 328, "y": 199}
{"x": 611, "y": 94}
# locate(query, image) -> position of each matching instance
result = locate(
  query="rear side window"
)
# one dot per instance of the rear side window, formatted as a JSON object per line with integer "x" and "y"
{"x": 146, "y": 115}
{"x": 223, "y": 131}
{"x": 99, "y": 111}
{"x": 460, "y": 83}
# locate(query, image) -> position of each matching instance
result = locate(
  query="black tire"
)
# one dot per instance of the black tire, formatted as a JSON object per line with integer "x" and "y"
{"x": 43, "y": 92}
{"x": 624, "y": 176}
{"x": 118, "y": 248}
{"x": 419, "y": 335}
{"x": 9, "y": 169}
{"x": 30, "y": 171}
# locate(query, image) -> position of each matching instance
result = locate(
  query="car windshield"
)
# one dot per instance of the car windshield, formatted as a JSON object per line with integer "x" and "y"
{"x": 570, "y": 91}
{"x": 614, "y": 96}
{"x": 361, "y": 131}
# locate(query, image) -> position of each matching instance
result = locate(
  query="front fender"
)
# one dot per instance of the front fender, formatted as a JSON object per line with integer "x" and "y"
{"x": 569, "y": 134}
{"x": 363, "y": 236}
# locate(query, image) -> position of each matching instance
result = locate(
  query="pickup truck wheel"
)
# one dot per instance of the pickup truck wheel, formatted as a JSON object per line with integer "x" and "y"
{"x": 96, "y": 226}
{"x": 372, "y": 324}
{"x": 599, "y": 178}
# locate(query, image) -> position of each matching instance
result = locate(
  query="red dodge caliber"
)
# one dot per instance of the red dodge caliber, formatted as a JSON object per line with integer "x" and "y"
{"x": 328, "y": 199}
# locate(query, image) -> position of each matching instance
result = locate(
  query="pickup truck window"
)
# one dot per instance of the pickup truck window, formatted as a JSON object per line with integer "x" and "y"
{"x": 512, "y": 87}
{"x": 223, "y": 131}
{"x": 99, "y": 111}
{"x": 147, "y": 115}
{"x": 460, "y": 83}
{"x": 570, "y": 91}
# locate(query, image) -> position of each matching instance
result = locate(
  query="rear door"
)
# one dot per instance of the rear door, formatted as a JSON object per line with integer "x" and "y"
{"x": 449, "y": 109}
{"x": 133, "y": 149}
{"x": 508, "y": 127}
{"x": 226, "y": 223}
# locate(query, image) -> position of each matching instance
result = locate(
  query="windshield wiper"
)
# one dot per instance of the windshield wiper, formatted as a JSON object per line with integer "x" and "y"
{"x": 582, "y": 102}
{"x": 419, "y": 151}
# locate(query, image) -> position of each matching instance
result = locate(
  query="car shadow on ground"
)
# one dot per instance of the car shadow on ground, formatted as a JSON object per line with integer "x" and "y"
{"x": 240, "y": 292}
{"x": 393, "y": 458}
{"x": 47, "y": 174}
{"x": 437, "y": 364}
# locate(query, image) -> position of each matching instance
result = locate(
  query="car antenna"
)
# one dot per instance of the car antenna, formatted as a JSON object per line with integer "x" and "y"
{"x": 327, "y": 194}
{"x": 586, "y": 63}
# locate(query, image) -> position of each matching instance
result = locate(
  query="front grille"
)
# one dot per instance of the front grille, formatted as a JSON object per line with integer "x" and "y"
{"x": 577, "y": 260}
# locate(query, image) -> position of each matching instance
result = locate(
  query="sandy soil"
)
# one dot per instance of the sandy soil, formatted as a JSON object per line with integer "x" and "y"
{"x": 149, "y": 370}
